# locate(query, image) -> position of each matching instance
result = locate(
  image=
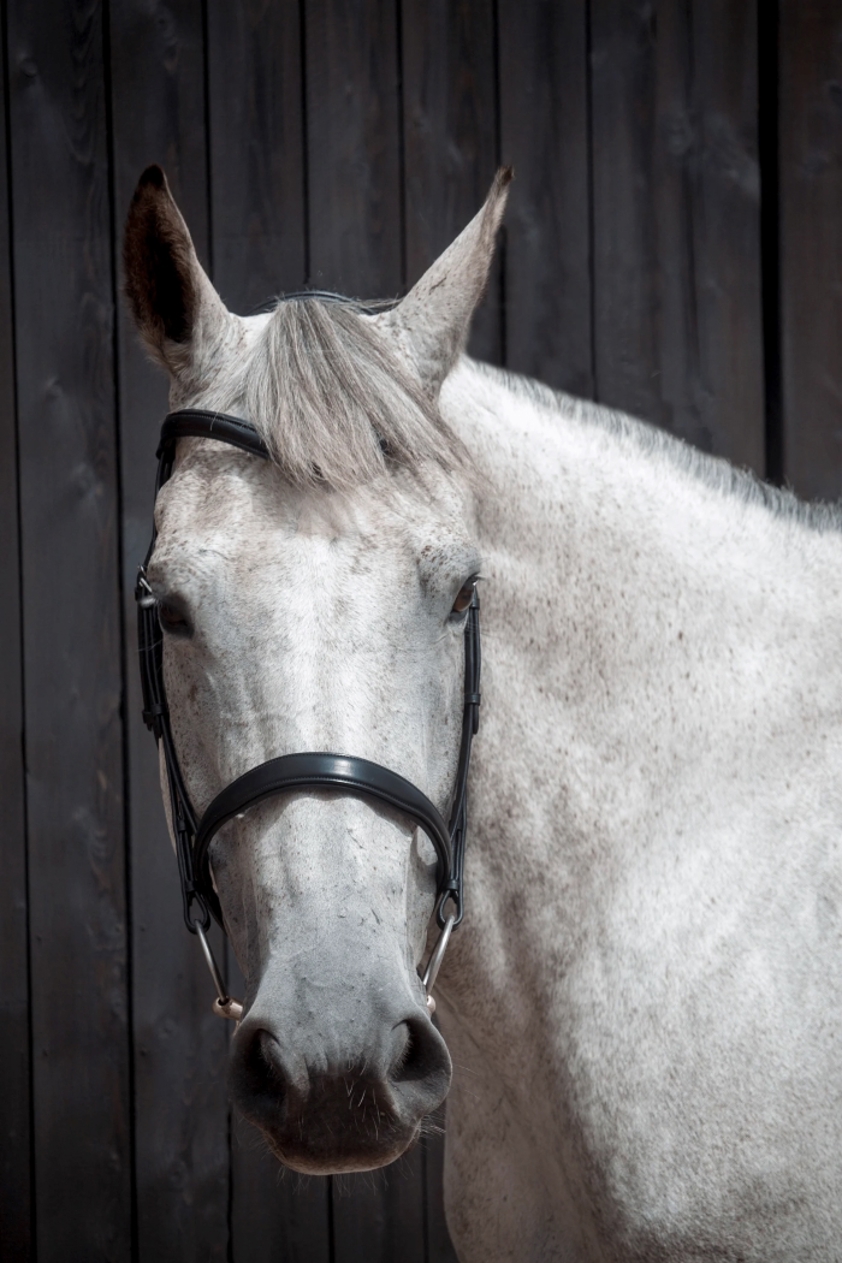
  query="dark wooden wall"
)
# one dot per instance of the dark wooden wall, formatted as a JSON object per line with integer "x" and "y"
{"x": 673, "y": 247}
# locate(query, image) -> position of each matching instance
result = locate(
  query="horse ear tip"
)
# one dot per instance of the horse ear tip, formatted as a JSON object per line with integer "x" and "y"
{"x": 152, "y": 177}
{"x": 499, "y": 191}
{"x": 152, "y": 197}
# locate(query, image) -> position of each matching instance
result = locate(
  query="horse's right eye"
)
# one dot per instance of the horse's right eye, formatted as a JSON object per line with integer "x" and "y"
{"x": 173, "y": 620}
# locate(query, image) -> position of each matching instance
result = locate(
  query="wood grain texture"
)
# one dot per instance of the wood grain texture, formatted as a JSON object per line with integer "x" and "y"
{"x": 677, "y": 315}
{"x": 256, "y": 151}
{"x": 450, "y": 138}
{"x": 68, "y": 493}
{"x": 439, "y": 1246}
{"x": 544, "y": 129}
{"x": 353, "y": 156}
{"x": 276, "y": 1214}
{"x": 180, "y": 1047}
{"x": 811, "y": 260}
{"x": 378, "y": 1216}
{"x": 15, "y": 1052}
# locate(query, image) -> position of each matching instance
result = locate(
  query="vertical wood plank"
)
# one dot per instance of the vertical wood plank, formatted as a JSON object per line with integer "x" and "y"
{"x": 353, "y": 156}
{"x": 256, "y": 151}
{"x": 259, "y": 249}
{"x": 276, "y": 1214}
{"x": 182, "y": 1160}
{"x": 811, "y": 258}
{"x": 677, "y": 316}
{"x": 439, "y": 1246}
{"x": 15, "y": 1052}
{"x": 378, "y": 1216}
{"x": 64, "y": 361}
{"x": 450, "y": 137}
{"x": 544, "y": 128}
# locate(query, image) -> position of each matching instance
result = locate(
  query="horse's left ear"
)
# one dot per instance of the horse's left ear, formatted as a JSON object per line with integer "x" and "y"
{"x": 432, "y": 322}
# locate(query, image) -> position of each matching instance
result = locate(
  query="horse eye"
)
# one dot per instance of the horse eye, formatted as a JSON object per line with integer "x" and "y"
{"x": 172, "y": 620}
{"x": 466, "y": 595}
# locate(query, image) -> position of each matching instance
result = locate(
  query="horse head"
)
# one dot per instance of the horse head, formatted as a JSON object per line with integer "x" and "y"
{"x": 317, "y": 601}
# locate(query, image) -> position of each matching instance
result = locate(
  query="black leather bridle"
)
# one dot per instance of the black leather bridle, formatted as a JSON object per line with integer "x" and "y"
{"x": 347, "y": 774}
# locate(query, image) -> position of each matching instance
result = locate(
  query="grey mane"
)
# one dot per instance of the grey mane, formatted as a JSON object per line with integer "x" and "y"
{"x": 336, "y": 407}
{"x": 333, "y": 402}
{"x": 712, "y": 470}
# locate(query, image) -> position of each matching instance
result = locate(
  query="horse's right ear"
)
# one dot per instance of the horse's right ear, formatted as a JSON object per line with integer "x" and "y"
{"x": 173, "y": 302}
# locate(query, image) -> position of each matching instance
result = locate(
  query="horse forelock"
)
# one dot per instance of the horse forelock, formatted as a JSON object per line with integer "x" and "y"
{"x": 334, "y": 401}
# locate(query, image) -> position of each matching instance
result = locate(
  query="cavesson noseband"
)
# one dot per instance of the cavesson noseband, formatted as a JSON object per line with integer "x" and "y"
{"x": 289, "y": 773}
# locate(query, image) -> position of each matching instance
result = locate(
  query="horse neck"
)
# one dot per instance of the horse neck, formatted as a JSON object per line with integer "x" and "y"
{"x": 655, "y": 646}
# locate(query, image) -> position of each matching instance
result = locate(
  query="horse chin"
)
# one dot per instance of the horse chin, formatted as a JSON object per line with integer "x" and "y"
{"x": 334, "y": 1157}
{"x": 355, "y": 1130}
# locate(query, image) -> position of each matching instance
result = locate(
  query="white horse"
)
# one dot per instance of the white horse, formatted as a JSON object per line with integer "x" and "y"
{"x": 644, "y": 1004}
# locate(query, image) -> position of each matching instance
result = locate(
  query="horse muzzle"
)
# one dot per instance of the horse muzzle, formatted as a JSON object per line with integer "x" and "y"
{"x": 328, "y": 1105}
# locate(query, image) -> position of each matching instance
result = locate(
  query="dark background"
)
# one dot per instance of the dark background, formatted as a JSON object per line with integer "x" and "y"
{"x": 673, "y": 246}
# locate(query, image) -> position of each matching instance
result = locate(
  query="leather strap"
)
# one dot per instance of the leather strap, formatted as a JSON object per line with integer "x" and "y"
{"x": 198, "y": 423}
{"x": 342, "y": 773}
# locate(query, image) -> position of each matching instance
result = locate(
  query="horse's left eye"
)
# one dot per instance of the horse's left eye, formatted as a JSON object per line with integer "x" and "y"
{"x": 466, "y": 595}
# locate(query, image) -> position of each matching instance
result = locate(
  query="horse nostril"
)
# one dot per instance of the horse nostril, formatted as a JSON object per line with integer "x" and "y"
{"x": 421, "y": 1054}
{"x": 342, "y": 1104}
{"x": 259, "y": 1069}
{"x": 265, "y": 1046}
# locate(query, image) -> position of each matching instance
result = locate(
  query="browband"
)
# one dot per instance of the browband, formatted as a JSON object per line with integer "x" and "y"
{"x": 196, "y": 423}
